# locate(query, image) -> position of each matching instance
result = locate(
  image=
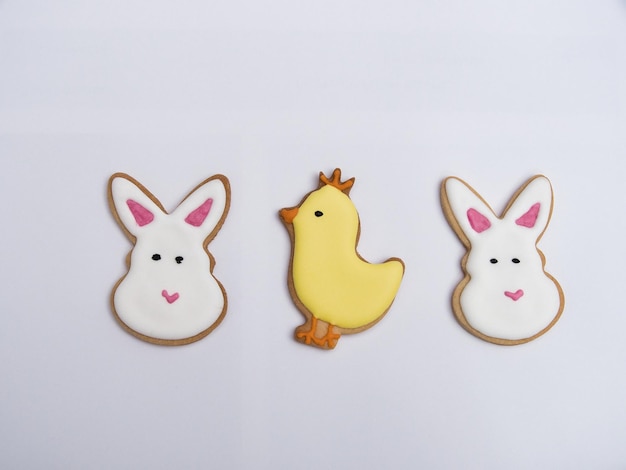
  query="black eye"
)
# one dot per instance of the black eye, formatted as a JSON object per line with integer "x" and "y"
{"x": 156, "y": 257}
{"x": 179, "y": 259}
{"x": 318, "y": 213}
{"x": 515, "y": 260}
{"x": 493, "y": 261}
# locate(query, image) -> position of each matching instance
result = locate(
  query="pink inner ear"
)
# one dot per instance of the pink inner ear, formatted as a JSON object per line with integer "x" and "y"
{"x": 530, "y": 217}
{"x": 479, "y": 222}
{"x": 197, "y": 216}
{"x": 142, "y": 215}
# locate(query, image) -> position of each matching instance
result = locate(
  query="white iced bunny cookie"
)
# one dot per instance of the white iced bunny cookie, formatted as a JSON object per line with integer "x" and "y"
{"x": 169, "y": 295}
{"x": 506, "y": 296}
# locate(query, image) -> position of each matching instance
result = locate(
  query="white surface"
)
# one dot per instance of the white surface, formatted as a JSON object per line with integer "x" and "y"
{"x": 399, "y": 94}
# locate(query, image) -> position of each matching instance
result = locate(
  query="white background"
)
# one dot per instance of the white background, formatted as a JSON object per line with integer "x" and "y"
{"x": 399, "y": 94}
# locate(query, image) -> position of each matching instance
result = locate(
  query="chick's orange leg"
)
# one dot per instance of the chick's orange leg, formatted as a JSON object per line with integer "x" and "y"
{"x": 330, "y": 338}
{"x": 308, "y": 336}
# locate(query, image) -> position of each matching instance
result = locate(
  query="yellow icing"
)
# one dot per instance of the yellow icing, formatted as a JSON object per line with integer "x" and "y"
{"x": 329, "y": 278}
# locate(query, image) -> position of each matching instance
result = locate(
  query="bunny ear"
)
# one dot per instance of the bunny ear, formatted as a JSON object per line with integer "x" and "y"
{"x": 529, "y": 218}
{"x": 531, "y": 207}
{"x": 465, "y": 209}
{"x": 133, "y": 205}
{"x": 205, "y": 208}
{"x": 477, "y": 221}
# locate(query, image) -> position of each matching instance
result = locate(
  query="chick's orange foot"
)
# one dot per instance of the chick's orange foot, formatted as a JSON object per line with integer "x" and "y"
{"x": 318, "y": 333}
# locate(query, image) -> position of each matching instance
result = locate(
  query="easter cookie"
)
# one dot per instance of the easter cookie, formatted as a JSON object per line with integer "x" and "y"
{"x": 506, "y": 296}
{"x": 331, "y": 284}
{"x": 169, "y": 295}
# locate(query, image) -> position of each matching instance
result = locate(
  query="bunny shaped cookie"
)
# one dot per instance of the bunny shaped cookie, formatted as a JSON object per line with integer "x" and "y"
{"x": 506, "y": 296}
{"x": 169, "y": 295}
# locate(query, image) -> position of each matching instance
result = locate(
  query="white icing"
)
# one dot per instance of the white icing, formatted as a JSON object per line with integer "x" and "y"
{"x": 138, "y": 299}
{"x": 483, "y": 301}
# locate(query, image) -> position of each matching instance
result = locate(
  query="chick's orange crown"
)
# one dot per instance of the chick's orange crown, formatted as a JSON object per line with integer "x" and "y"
{"x": 336, "y": 181}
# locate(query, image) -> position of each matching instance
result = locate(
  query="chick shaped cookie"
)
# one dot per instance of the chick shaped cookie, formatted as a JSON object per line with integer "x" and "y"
{"x": 336, "y": 290}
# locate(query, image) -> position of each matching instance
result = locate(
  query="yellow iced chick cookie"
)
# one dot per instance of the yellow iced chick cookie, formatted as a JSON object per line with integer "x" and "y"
{"x": 331, "y": 284}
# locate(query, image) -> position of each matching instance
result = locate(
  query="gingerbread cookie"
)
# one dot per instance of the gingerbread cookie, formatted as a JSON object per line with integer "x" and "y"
{"x": 506, "y": 296}
{"x": 169, "y": 295}
{"x": 336, "y": 290}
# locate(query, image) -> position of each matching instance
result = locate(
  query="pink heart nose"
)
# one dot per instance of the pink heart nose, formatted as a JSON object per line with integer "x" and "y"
{"x": 514, "y": 295}
{"x": 170, "y": 298}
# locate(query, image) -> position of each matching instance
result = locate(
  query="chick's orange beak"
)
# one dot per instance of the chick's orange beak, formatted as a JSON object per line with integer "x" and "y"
{"x": 288, "y": 214}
